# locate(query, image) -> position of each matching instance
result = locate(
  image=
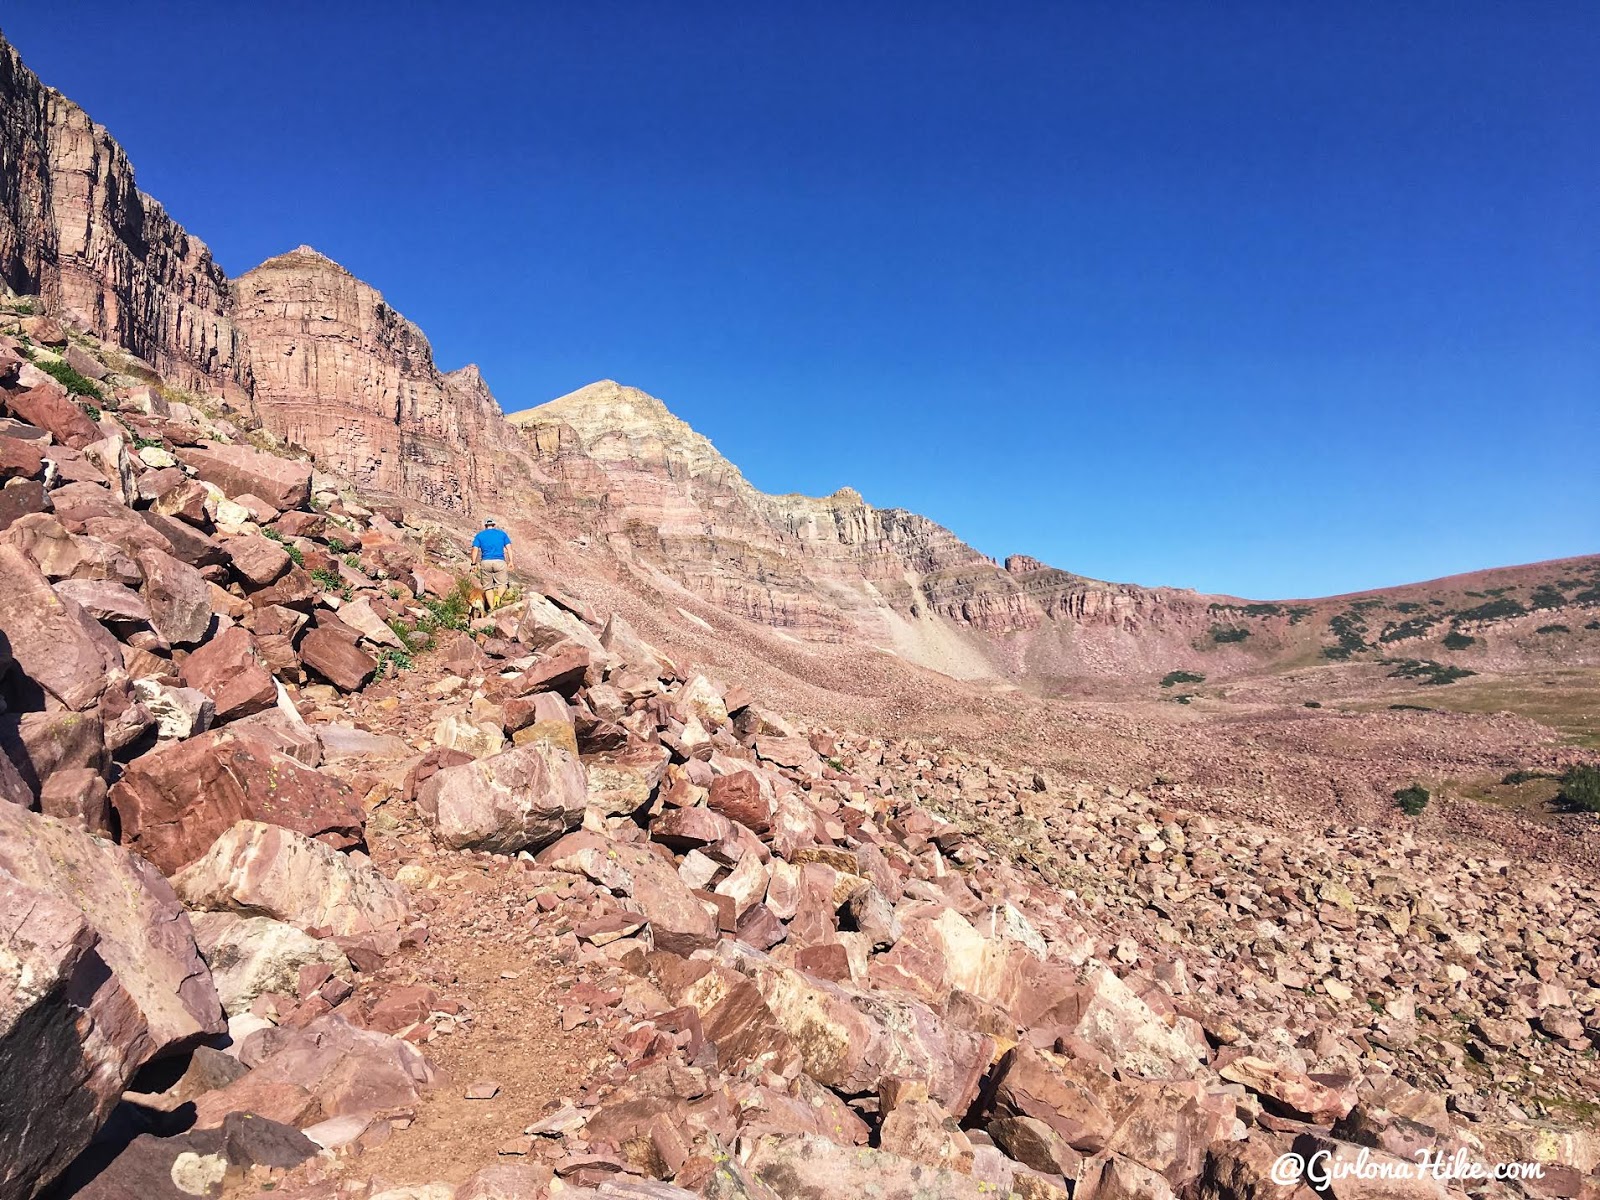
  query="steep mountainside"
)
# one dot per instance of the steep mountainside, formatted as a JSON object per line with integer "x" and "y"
{"x": 340, "y": 373}
{"x": 75, "y": 231}
{"x": 831, "y": 568}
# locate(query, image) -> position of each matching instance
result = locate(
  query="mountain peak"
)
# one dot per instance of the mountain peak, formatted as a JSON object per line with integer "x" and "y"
{"x": 302, "y": 257}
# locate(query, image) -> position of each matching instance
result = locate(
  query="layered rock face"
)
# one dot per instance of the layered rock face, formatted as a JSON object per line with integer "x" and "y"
{"x": 834, "y": 568}
{"x": 342, "y": 374}
{"x": 77, "y": 232}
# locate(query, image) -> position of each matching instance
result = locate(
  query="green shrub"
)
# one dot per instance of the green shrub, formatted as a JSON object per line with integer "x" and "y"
{"x": 1456, "y": 640}
{"x": 1415, "y": 627}
{"x": 1174, "y": 677}
{"x": 327, "y": 579}
{"x": 1545, "y": 596}
{"x": 1593, "y": 625}
{"x": 1556, "y": 628}
{"x": 1249, "y": 610}
{"x": 1412, "y": 800}
{"x": 1580, "y": 788}
{"x": 1494, "y": 610}
{"x": 1222, "y": 634}
{"x": 1426, "y": 671}
{"x": 78, "y": 385}
{"x": 1313, "y": 704}
{"x": 1351, "y": 631}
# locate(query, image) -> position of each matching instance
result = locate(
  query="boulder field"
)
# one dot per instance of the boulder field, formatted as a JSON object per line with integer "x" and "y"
{"x": 256, "y": 748}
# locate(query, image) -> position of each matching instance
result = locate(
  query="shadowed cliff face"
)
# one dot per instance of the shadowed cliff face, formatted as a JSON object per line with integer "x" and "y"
{"x": 75, "y": 231}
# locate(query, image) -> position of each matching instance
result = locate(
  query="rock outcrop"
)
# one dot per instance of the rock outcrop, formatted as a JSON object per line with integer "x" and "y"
{"x": 342, "y": 374}
{"x": 77, "y": 232}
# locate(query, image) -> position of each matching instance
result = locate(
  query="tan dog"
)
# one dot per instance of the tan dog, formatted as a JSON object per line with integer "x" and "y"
{"x": 477, "y": 600}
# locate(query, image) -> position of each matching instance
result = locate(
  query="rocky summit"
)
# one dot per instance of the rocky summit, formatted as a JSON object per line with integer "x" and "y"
{"x": 757, "y": 846}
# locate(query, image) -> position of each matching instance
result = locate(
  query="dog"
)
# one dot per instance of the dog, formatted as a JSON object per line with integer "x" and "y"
{"x": 477, "y": 600}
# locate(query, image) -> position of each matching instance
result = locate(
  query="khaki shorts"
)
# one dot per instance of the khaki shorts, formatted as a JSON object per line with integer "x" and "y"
{"x": 494, "y": 573}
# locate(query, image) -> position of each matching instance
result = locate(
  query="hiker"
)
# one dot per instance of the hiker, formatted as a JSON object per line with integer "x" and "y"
{"x": 491, "y": 554}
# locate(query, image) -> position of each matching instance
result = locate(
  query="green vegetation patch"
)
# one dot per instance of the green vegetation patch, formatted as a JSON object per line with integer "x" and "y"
{"x": 1546, "y": 596}
{"x": 1456, "y": 640}
{"x": 1425, "y": 671}
{"x": 1412, "y": 800}
{"x": 1580, "y": 789}
{"x": 1176, "y": 677}
{"x": 1494, "y": 610}
{"x": 1351, "y": 631}
{"x": 1414, "y": 627}
{"x": 1222, "y": 634}
{"x": 1556, "y": 628}
{"x": 67, "y": 377}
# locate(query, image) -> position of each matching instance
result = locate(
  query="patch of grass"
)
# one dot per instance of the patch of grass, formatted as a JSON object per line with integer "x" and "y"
{"x": 1580, "y": 789}
{"x": 353, "y": 561}
{"x": 1409, "y": 708}
{"x": 1176, "y": 677}
{"x": 1456, "y": 640}
{"x": 413, "y": 637}
{"x": 1593, "y": 625}
{"x": 289, "y": 548}
{"x": 1412, "y": 800}
{"x": 1556, "y": 628}
{"x": 1565, "y": 699}
{"x": 1367, "y": 602}
{"x": 1222, "y": 634}
{"x": 67, "y": 377}
{"x": 337, "y": 545}
{"x": 1494, "y": 610}
{"x": 401, "y": 659}
{"x": 451, "y": 612}
{"x": 329, "y": 581}
{"x": 1407, "y": 606}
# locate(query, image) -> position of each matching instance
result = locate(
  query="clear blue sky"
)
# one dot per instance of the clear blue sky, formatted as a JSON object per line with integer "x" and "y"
{"x": 1270, "y": 298}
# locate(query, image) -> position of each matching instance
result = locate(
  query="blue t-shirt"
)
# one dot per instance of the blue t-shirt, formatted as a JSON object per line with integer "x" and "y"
{"x": 492, "y": 543}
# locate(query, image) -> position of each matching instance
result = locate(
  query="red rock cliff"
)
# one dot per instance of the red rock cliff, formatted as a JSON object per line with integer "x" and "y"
{"x": 75, "y": 231}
